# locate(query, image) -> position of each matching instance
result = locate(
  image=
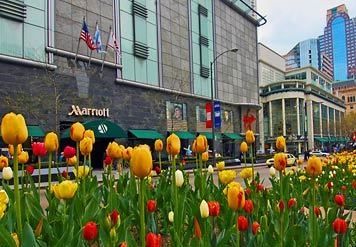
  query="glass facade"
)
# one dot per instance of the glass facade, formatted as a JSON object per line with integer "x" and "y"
{"x": 337, "y": 122}
{"x": 331, "y": 122}
{"x": 316, "y": 118}
{"x": 324, "y": 117}
{"x": 266, "y": 125}
{"x": 302, "y": 116}
{"x": 277, "y": 118}
{"x": 339, "y": 48}
{"x": 291, "y": 116}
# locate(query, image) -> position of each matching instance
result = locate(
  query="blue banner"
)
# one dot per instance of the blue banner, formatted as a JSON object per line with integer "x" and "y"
{"x": 217, "y": 113}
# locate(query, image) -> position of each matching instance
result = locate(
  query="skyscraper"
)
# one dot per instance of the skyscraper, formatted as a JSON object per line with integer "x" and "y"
{"x": 339, "y": 42}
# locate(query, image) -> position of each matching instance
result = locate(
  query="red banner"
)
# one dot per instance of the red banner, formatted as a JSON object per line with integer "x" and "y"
{"x": 209, "y": 122}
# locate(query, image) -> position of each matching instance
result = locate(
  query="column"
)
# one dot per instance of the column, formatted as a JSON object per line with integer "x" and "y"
{"x": 309, "y": 106}
{"x": 284, "y": 117}
{"x": 327, "y": 120}
{"x": 298, "y": 120}
{"x": 270, "y": 119}
{"x": 334, "y": 133}
{"x": 321, "y": 121}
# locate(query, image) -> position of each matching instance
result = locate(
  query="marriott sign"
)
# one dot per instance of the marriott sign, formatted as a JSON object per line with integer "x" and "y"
{"x": 77, "y": 111}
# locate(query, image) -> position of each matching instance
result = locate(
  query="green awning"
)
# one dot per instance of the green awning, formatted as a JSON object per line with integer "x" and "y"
{"x": 321, "y": 139}
{"x": 184, "y": 134}
{"x": 35, "y": 131}
{"x": 102, "y": 129}
{"x": 209, "y": 135}
{"x": 233, "y": 136}
{"x": 146, "y": 134}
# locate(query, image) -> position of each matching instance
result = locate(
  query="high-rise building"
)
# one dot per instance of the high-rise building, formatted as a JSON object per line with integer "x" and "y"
{"x": 339, "y": 42}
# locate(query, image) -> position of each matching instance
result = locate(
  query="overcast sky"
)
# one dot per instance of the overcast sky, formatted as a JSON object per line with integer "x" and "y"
{"x": 292, "y": 21}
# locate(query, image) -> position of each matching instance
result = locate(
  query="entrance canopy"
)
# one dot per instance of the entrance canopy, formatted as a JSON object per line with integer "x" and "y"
{"x": 233, "y": 136}
{"x": 102, "y": 129}
{"x": 184, "y": 135}
{"x": 209, "y": 135}
{"x": 146, "y": 134}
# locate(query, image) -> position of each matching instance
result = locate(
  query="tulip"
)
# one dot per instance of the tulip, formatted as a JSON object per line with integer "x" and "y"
{"x": 243, "y": 147}
{"x": 292, "y": 202}
{"x": 242, "y": 223}
{"x": 77, "y": 132}
{"x": 4, "y": 199}
{"x": 153, "y": 240}
{"x": 15, "y": 237}
{"x": 205, "y": 156}
{"x": 317, "y": 211}
{"x": 4, "y": 162}
{"x": 280, "y": 161}
{"x": 179, "y": 178}
{"x": 72, "y": 161}
{"x": 194, "y": 146}
{"x": 158, "y": 145}
{"x": 236, "y": 197}
{"x": 280, "y": 143}
{"x": 339, "y": 200}
{"x": 246, "y": 173}
{"x": 11, "y": 149}
{"x": 39, "y": 149}
{"x": 65, "y": 190}
{"x": 158, "y": 170}
{"x": 197, "y": 230}
{"x": 210, "y": 169}
{"x": 272, "y": 171}
{"x": 214, "y": 208}
{"x": 151, "y": 206}
{"x": 51, "y": 142}
{"x": 13, "y": 129}
{"x": 173, "y": 145}
{"x": 281, "y": 206}
{"x": 171, "y": 216}
{"x": 259, "y": 187}
{"x": 7, "y": 173}
{"x": 90, "y": 134}
{"x": 220, "y": 165}
{"x": 141, "y": 162}
{"x": 314, "y": 166}
{"x": 23, "y": 157}
{"x": 204, "y": 209}
{"x": 3, "y": 207}
{"x": 250, "y": 137}
{"x": 86, "y": 146}
{"x": 113, "y": 150}
{"x": 247, "y": 192}
{"x": 64, "y": 174}
{"x": 82, "y": 172}
{"x": 339, "y": 226}
{"x": 126, "y": 153}
{"x": 30, "y": 169}
{"x": 123, "y": 244}
{"x": 201, "y": 144}
{"x": 255, "y": 227}
{"x": 90, "y": 231}
{"x": 248, "y": 206}
{"x": 227, "y": 176}
{"x": 69, "y": 152}
{"x": 107, "y": 161}
{"x": 114, "y": 217}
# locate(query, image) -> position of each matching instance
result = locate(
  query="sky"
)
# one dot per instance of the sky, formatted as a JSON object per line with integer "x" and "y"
{"x": 292, "y": 21}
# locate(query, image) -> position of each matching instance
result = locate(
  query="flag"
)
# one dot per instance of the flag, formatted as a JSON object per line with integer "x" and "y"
{"x": 97, "y": 40}
{"x": 113, "y": 42}
{"x": 85, "y": 35}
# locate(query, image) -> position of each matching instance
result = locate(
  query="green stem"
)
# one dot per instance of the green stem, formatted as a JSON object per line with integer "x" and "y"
{"x": 142, "y": 213}
{"x": 89, "y": 161}
{"x": 314, "y": 216}
{"x": 23, "y": 174}
{"x": 110, "y": 189}
{"x": 253, "y": 166}
{"x": 281, "y": 231}
{"x": 77, "y": 164}
{"x": 17, "y": 193}
{"x": 174, "y": 181}
{"x": 159, "y": 160}
{"x": 39, "y": 175}
{"x": 238, "y": 238}
{"x": 49, "y": 170}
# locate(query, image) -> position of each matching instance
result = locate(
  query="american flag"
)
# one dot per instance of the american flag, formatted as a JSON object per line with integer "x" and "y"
{"x": 85, "y": 35}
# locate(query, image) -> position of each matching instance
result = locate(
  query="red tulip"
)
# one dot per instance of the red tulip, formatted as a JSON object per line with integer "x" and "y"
{"x": 330, "y": 185}
{"x": 339, "y": 226}
{"x": 65, "y": 174}
{"x": 38, "y": 149}
{"x": 214, "y": 208}
{"x": 107, "y": 161}
{"x": 339, "y": 200}
{"x": 69, "y": 152}
{"x": 247, "y": 192}
{"x": 317, "y": 211}
{"x": 292, "y": 202}
{"x": 30, "y": 169}
{"x": 90, "y": 231}
{"x": 354, "y": 184}
{"x": 197, "y": 231}
{"x": 259, "y": 187}
{"x": 123, "y": 244}
{"x": 114, "y": 216}
{"x": 255, "y": 227}
{"x": 158, "y": 170}
{"x": 343, "y": 188}
{"x": 151, "y": 205}
{"x": 242, "y": 223}
{"x": 281, "y": 206}
{"x": 153, "y": 240}
{"x": 248, "y": 206}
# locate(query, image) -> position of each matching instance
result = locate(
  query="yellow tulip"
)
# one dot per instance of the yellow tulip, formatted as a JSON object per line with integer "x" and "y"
{"x": 13, "y": 129}
{"x": 205, "y": 156}
{"x": 82, "y": 172}
{"x": 86, "y": 146}
{"x": 77, "y": 132}
{"x": 204, "y": 209}
{"x": 65, "y": 190}
{"x": 51, "y": 142}
{"x": 314, "y": 166}
{"x": 23, "y": 157}
{"x": 158, "y": 145}
{"x": 4, "y": 162}
{"x": 220, "y": 165}
{"x": 201, "y": 144}
{"x": 3, "y": 207}
{"x": 16, "y": 239}
{"x": 227, "y": 176}
{"x": 90, "y": 134}
{"x": 173, "y": 145}
{"x": 236, "y": 197}
{"x": 280, "y": 161}
{"x": 4, "y": 199}
{"x": 72, "y": 161}
{"x": 250, "y": 137}
{"x": 246, "y": 173}
{"x": 126, "y": 154}
{"x": 280, "y": 143}
{"x": 141, "y": 162}
{"x": 114, "y": 151}
{"x": 243, "y": 147}
{"x": 11, "y": 149}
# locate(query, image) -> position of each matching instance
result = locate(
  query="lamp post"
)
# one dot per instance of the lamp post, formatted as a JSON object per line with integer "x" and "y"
{"x": 212, "y": 100}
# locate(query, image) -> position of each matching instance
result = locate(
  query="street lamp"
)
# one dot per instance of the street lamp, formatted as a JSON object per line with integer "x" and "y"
{"x": 212, "y": 100}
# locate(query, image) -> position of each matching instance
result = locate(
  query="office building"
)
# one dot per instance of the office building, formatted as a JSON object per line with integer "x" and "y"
{"x": 346, "y": 90}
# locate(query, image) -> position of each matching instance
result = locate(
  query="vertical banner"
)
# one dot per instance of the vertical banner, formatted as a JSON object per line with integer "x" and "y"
{"x": 208, "y": 122}
{"x": 217, "y": 117}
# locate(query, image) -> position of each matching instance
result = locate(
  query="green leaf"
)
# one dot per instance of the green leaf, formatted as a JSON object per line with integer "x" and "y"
{"x": 6, "y": 238}
{"x": 28, "y": 239}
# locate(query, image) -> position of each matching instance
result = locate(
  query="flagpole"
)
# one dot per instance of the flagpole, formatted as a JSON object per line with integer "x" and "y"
{"x": 91, "y": 51}
{"x": 106, "y": 50}
{"x": 80, "y": 34}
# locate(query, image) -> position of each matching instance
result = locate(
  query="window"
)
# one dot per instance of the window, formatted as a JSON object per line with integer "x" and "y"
{"x": 266, "y": 125}
{"x": 140, "y": 14}
{"x": 331, "y": 122}
{"x": 299, "y": 76}
{"x": 316, "y": 118}
{"x": 291, "y": 116}
{"x": 324, "y": 117}
{"x": 203, "y": 41}
{"x": 277, "y": 121}
{"x": 201, "y": 114}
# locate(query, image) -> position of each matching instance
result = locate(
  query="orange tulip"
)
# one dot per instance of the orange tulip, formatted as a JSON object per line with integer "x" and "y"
{"x": 236, "y": 197}
{"x": 141, "y": 162}
{"x": 72, "y": 161}
{"x": 77, "y": 132}
{"x": 90, "y": 134}
{"x": 114, "y": 151}
{"x": 4, "y": 162}
{"x": 205, "y": 156}
{"x": 314, "y": 166}
{"x": 13, "y": 129}
{"x": 126, "y": 153}
{"x": 280, "y": 161}
{"x": 201, "y": 144}
{"x": 86, "y": 146}
{"x": 194, "y": 146}
{"x": 250, "y": 137}
{"x": 173, "y": 145}
{"x": 158, "y": 145}
{"x": 243, "y": 147}
{"x": 23, "y": 157}
{"x": 51, "y": 142}
{"x": 11, "y": 149}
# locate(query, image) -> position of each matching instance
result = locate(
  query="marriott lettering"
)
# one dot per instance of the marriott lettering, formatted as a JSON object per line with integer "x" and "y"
{"x": 77, "y": 111}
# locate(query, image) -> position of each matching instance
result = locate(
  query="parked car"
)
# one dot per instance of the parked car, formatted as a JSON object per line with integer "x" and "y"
{"x": 291, "y": 161}
{"x": 319, "y": 154}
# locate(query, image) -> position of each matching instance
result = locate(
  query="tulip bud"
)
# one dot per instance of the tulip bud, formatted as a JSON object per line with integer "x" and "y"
{"x": 90, "y": 231}
{"x": 272, "y": 171}
{"x": 259, "y": 187}
{"x": 292, "y": 202}
{"x": 197, "y": 230}
{"x": 30, "y": 169}
{"x": 13, "y": 129}
{"x": 11, "y": 149}
{"x": 90, "y": 134}
{"x": 158, "y": 145}
{"x": 317, "y": 211}
{"x": 15, "y": 237}
{"x": 248, "y": 206}
{"x": 220, "y": 165}
{"x": 255, "y": 227}
{"x": 72, "y": 161}
{"x": 39, "y": 149}
{"x": 151, "y": 206}
{"x": 4, "y": 162}
{"x": 23, "y": 157}
{"x": 77, "y": 132}
{"x": 339, "y": 200}
{"x": 38, "y": 229}
{"x": 179, "y": 178}
{"x": 250, "y": 137}
{"x": 201, "y": 144}
{"x": 107, "y": 161}
{"x": 243, "y": 147}
{"x": 242, "y": 223}
{"x": 214, "y": 208}
{"x": 205, "y": 156}
{"x": 7, "y": 173}
{"x": 51, "y": 142}
{"x": 210, "y": 169}
{"x": 69, "y": 152}
{"x": 339, "y": 226}
{"x": 281, "y": 206}
{"x": 86, "y": 146}
{"x": 113, "y": 233}
{"x": 141, "y": 162}
{"x": 171, "y": 216}
{"x": 115, "y": 217}
{"x": 280, "y": 143}
{"x": 204, "y": 209}
{"x": 173, "y": 145}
